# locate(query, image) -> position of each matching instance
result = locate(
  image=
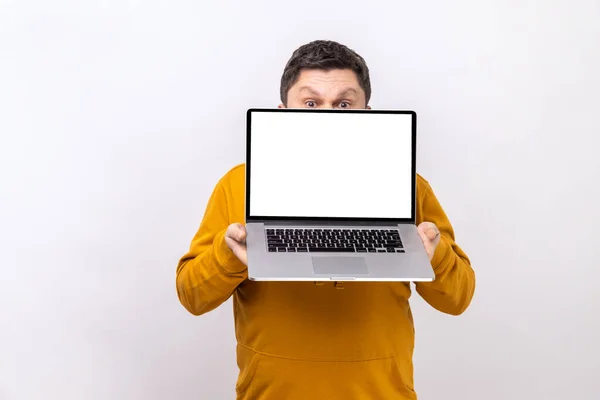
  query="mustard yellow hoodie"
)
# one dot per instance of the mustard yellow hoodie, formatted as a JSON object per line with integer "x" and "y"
{"x": 299, "y": 341}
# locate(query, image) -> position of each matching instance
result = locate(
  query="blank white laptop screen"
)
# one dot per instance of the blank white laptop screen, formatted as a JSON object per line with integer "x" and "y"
{"x": 320, "y": 164}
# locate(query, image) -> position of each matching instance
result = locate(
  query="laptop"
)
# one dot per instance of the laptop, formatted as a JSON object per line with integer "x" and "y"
{"x": 330, "y": 196}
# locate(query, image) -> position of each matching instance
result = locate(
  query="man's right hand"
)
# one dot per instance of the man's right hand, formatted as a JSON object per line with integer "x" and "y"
{"x": 235, "y": 237}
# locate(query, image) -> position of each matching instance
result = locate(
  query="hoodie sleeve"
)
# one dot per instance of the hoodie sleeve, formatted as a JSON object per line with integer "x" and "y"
{"x": 209, "y": 273}
{"x": 452, "y": 290}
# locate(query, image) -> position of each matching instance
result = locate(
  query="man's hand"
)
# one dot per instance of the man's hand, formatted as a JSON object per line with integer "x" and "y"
{"x": 430, "y": 235}
{"x": 235, "y": 237}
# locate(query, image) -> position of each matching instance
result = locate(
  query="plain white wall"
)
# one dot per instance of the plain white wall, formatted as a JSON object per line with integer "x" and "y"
{"x": 118, "y": 117}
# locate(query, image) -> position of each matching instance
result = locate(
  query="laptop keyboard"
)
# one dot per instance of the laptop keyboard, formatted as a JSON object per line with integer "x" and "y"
{"x": 334, "y": 240}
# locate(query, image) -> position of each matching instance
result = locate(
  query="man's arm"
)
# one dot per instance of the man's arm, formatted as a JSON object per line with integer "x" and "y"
{"x": 210, "y": 272}
{"x": 454, "y": 285}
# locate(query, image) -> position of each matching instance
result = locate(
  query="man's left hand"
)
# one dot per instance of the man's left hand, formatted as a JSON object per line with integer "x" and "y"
{"x": 430, "y": 235}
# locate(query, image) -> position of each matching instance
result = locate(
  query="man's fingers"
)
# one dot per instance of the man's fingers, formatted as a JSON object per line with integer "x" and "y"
{"x": 236, "y": 232}
{"x": 422, "y": 234}
{"x": 236, "y": 240}
{"x": 432, "y": 233}
{"x": 242, "y": 255}
{"x": 240, "y": 252}
{"x": 424, "y": 231}
{"x": 425, "y": 240}
{"x": 241, "y": 236}
{"x": 428, "y": 231}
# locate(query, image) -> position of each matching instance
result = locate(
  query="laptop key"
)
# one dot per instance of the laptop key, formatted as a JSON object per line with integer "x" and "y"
{"x": 392, "y": 245}
{"x": 332, "y": 250}
{"x": 302, "y": 250}
{"x": 361, "y": 250}
{"x": 272, "y": 249}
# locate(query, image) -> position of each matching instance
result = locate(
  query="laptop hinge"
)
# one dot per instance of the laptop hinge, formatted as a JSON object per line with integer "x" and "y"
{"x": 336, "y": 223}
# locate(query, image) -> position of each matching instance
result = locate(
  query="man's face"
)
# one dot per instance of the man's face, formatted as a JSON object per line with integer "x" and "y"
{"x": 317, "y": 88}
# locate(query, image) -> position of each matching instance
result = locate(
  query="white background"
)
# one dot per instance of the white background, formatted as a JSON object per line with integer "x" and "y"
{"x": 350, "y": 165}
{"x": 118, "y": 118}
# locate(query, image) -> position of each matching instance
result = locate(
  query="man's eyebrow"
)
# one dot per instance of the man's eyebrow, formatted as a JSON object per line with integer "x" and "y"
{"x": 309, "y": 89}
{"x": 341, "y": 94}
{"x": 348, "y": 91}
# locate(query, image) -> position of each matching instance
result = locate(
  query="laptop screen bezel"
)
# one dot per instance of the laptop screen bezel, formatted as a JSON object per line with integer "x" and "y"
{"x": 358, "y": 220}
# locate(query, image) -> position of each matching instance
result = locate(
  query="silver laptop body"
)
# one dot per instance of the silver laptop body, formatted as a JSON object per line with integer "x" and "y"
{"x": 330, "y": 196}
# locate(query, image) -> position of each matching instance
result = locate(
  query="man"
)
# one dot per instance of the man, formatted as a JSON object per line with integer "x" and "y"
{"x": 303, "y": 340}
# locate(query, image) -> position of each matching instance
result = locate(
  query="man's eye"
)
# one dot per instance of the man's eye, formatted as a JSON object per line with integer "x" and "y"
{"x": 311, "y": 104}
{"x": 344, "y": 104}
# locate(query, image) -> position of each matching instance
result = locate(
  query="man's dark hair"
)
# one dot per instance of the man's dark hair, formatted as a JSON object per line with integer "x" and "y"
{"x": 326, "y": 55}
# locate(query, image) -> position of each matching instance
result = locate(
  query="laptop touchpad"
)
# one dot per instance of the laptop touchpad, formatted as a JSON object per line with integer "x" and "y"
{"x": 340, "y": 266}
